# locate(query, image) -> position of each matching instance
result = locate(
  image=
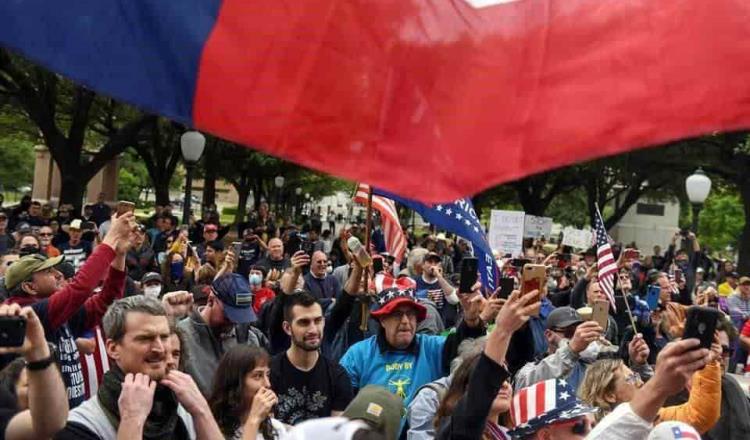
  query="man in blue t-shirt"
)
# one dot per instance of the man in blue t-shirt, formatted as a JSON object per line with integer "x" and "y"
{"x": 398, "y": 358}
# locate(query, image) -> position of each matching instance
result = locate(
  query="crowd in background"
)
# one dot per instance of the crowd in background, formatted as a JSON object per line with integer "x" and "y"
{"x": 146, "y": 328}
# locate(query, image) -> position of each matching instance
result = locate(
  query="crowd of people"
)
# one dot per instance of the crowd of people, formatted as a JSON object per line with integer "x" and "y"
{"x": 145, "y": 328}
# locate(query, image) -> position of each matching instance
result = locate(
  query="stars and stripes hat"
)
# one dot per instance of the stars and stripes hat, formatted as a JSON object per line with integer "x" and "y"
{"x": 394, "y": 293}
{"x": 543, "y": 404}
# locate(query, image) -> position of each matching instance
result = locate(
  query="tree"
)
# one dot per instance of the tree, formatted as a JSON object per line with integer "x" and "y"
{"x": 161, "y": 153}
{"x": 721, "y": 219}
{"x": 83, "y": 131}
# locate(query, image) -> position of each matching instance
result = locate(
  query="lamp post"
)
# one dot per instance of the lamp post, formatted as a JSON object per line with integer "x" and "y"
{"x": 191, "y": 144}
{"x": 697, "y": 186}
{"x": 309, "y": 205}
{"x": 297, "y": 194}
{"x": 278, "y": 182}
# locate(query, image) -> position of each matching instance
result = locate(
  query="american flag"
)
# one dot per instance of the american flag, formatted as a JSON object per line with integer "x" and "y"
{"x": 605, "y": 260}
{"x": 395, "y": 241}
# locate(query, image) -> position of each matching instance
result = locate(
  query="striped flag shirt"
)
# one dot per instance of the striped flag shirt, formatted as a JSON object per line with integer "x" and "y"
{"x": 395, "y": 240}
{"x": 605, "y": 260}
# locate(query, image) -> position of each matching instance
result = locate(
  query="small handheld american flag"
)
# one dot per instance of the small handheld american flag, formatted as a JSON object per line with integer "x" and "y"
{"x": 605, "y": 260}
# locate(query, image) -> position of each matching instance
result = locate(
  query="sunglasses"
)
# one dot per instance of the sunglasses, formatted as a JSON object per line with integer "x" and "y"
{"x": 633, "y": 378}
{"x": 45, "y": 234}
{"x": 577, "y": 426}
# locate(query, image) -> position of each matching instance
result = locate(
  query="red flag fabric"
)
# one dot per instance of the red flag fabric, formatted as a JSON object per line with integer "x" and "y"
{"x": 395, "y": 240}
{"x": 434, "y": 100}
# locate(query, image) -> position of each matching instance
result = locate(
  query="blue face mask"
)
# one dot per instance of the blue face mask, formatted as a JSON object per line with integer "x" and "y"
{"x": 177, "y": 268}
{"x": 255, "y": 279}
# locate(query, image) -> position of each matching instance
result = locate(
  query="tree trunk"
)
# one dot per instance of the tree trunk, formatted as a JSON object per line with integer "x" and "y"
{"x": 743, "y": 266}
{"x": 242, "y": 194}
{"x": 161, "y": 192}
{"x": 71, "y": 191}
{"x": 210, "y": 172}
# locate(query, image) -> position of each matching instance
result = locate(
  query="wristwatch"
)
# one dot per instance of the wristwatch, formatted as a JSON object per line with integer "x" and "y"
{"x": 40, "y": 364}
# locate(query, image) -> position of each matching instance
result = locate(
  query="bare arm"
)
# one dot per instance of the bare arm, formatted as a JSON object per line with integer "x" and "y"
{"x": 192, "y": 400}
{"x": 48, "y": 400}
{"x": 289, "y": 282}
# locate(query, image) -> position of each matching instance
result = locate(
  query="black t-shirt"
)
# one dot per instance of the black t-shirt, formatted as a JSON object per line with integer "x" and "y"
{"x": 249, "y": 255}
{"x": 279, "y": 265}
{"x": 8, "y": 409}
{"x": 305, "y": 395}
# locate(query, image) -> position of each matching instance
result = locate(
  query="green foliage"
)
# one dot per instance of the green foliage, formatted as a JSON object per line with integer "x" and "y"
{"x": 721, "y": 220}
{"x": 132, "y": 177}
{"x": 17, "y": 164}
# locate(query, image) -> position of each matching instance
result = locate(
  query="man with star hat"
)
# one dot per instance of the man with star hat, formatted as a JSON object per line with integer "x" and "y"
{"x": 398, "y": 358}
{"x": 550, "y": 410}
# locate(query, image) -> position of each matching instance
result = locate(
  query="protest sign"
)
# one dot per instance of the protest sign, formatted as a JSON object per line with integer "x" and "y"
{"x": 577, "y": 238}
{"x": 536, "y": 227}
{"x": 506, "y": 231}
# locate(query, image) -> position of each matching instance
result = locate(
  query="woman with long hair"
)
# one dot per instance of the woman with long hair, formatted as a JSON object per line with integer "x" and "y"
{"x": 498, "y": 420}
{"x": 609, "y": 382}
{"x": 241, "y": 399}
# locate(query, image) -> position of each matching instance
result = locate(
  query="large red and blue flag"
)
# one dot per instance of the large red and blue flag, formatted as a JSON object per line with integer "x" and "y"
{"x": 430, "y": 99}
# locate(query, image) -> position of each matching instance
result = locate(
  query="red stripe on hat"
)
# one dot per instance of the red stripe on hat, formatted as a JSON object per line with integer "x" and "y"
{"x": 540, "y": 398}
{"x": 524, "y": 416}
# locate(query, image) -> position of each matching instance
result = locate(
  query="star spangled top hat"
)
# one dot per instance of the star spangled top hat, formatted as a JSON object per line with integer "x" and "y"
{"x": 545, "y": 403}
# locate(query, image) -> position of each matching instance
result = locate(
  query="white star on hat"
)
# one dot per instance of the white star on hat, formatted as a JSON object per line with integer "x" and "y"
{"x": 439, "y": 208}
{"x": 448, "y": 211}
{"x": 564, "y": 395}
{"x": 563, "y": 382}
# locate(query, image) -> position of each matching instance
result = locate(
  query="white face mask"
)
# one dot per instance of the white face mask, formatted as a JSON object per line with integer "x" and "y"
{"x": 329, "y": 269}
{"x": 152, "y": 291}
{"x": 591, "y": 352}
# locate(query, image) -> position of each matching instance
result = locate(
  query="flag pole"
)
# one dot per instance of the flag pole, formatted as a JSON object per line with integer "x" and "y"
{"x": 630, "y": 314}
{"x": 365, "y": 304}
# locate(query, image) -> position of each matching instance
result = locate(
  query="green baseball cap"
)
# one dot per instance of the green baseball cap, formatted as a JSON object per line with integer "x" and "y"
{"x": 26, "y": 266}
{"x": 380, "y": 408}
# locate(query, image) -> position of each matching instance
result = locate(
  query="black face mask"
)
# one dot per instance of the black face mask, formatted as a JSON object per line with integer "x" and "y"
{"x": 29, "y": 249}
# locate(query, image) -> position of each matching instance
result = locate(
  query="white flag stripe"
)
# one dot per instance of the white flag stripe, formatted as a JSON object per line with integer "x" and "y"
{"x": 531, "y": 402}
{"x": 550, "y": 399}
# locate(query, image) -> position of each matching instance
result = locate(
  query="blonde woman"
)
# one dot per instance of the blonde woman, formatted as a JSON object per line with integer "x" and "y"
{"x": 609, "y": 382}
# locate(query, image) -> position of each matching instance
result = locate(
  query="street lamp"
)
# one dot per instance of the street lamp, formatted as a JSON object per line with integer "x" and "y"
{"x": 278, "y": 182}
{"x": 697, "y": 186}
{"x": 191, "y": 144}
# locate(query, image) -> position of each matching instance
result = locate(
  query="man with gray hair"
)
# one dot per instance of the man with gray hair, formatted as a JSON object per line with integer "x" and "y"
{"x": 139, "y": 396}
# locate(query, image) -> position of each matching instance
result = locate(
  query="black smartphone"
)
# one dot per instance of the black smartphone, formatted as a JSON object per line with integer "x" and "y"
{"x": 700, "y": 323}
{"x": 307, "y": 246}
{"x": 468, "y": 274}
{"x": 377, "y": 264}
{"x": 12, "y": 331}
{"x": 506, "y": 286}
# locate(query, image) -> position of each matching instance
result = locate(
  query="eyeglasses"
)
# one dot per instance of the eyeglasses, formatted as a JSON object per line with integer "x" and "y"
{"x": 633, "y": 378}
{"x": 579, "y": 426}
{"x": 399, "y": 314}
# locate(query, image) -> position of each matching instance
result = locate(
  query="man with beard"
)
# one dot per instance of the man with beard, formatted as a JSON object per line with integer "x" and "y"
{"x": 139, "y": 397}
{"x": 308, "y": 384}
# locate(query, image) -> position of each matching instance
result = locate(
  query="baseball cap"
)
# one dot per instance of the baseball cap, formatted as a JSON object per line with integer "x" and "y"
{"x": 23, "y": 228}
{"x": 26, "y": 266}
{"x": 672, "y": 430}
{"x": 75, "y": 224}
{"x": 563, "y": 317}
{"x": 744, "y": 280}
{"x": 151, "y": 276}
{"x": 3, "y": 215}
{"x": 328, "y": 428}
{"x": 380, "y": 408}
{"x": 733, "y": 275}
{"x": 432, "y": 256}
{"x": 233, "y": 290}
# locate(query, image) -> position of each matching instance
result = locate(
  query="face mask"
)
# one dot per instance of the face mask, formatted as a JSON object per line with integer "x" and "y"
{"x": 161, "y": 257}
{"x": 255, "y": 279}
{"x": 177, "y": 269}
{"x": 329, "y": 269}
{"x": 152, "y": 291}
{"x": 591, "y": 352}
{"x": 28, "y": 250}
